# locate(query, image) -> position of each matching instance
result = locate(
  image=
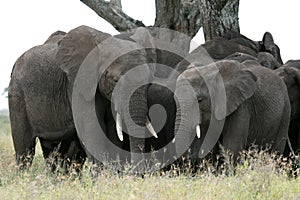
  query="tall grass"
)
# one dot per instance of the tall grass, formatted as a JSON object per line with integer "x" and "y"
{"x": 258, "y": 176}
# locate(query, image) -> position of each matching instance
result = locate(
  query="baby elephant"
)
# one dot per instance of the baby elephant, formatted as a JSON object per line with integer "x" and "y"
{"x": 235, "y": 103}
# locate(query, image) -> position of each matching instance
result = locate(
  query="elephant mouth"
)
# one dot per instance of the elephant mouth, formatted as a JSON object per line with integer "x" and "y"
{"x": 120, "y": 129}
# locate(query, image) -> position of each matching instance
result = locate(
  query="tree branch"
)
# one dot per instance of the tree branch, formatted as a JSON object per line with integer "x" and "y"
{"x": 112, "y": 13}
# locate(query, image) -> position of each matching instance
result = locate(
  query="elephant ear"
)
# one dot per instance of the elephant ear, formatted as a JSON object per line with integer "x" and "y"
{"x": 73, "y": 49}
{"x": 240, "y": 84}
{"x": 269, "y": 45}
{"x": 290, "y": 75}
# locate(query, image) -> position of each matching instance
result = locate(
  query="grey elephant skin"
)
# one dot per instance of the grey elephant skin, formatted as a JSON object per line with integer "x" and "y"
{"x": 73, "y": 49}
{"x": 39, "y": 106}
{"x": 264, "y": 58}
{"x": 233, "y": 42}
{"x": 254, "y": 113}
{"x": 290, "y": 74}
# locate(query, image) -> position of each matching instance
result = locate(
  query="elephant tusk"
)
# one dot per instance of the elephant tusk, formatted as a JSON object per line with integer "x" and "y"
{"x": 150, "y": 128}
{"x": 198, "y": 131}
{"x": 173, "y": 141}
{"x": 119, "y": 127}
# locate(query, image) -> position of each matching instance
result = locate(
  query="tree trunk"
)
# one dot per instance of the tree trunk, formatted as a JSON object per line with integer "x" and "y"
{"x": 218, "y": 17}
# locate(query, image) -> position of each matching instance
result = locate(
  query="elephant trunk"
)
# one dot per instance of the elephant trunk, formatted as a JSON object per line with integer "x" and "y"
{"x": 186, "y": 123}
{"x": 136, "y": 123}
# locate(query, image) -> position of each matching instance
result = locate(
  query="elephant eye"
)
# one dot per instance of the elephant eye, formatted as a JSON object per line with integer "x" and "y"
{"x": 199, "y": 99}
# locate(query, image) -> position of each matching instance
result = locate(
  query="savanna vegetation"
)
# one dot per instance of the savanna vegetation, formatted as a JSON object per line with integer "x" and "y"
{"x": 259, "y": 176}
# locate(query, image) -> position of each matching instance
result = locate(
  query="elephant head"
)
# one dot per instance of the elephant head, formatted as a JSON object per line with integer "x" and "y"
{"x": 268, "y": 45}
{"x": 119, "y": 68}
{"x": 205, "y": 96}
{"x": 268, "y": 60}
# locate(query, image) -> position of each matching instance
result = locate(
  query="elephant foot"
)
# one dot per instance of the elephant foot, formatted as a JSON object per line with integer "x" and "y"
{"x": 24, "y": 161}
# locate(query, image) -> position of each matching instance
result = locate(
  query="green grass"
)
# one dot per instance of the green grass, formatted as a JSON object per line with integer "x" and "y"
{"x": 259, "y": 177}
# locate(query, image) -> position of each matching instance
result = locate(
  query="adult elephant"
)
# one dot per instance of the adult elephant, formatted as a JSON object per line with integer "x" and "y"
{"x": 290, "y": 74}
{"x": 264, "y": 58}
{"x": 100, "y": 63}
{"x": 253, "y": 113}
{"x": 161, "y": 103}
{"x": 39, "y": 106}
{"x": 233, "y": 42}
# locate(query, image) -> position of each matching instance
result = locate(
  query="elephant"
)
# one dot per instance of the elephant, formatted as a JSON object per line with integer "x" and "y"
{"x": 164, "y": 57}
{"x": 267, "y": 45}
{"x": 109, "y": 88}
{"x": 264, "y": 58}
{"x": 161, "y": 97}
{"x": 232, "y": 42}
{"x": 161, "y": 102}
{"x": 233, "y": 103}
{"x": 39, "y": 106}
{"x": 292, "y": 63}
{"x": 290, "y": 74}
{"x": 268, "y": 60}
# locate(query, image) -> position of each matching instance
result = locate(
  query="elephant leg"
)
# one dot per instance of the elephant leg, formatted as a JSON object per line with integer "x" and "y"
{"x": 282, "y": 134}
{"x": 47, "y": 147}
{"x": 73, "y": 155}
{"x": 23, "y": 139}
{"x": 236, "y": 130}
{"x": 297, "y": 148}
{"x": 293, "y": 135}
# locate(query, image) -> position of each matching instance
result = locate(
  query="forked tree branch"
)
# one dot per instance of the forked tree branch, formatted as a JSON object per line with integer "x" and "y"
{"x": 112, "y": 13}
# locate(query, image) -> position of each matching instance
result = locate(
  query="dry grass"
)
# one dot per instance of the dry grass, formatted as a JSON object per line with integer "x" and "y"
{"x": 258, "y": 176}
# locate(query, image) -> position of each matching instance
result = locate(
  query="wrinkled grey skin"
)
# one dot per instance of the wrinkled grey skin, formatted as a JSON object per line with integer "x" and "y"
{"x": 160, "y": 93}
{"x": 264, "y": 58}
{"x": 267, "y": 45}
{"x": 232, "y": 42}
{"x": 254, "y": 113}
{"x": 240, "y": 57}
{"x": 291, "y": 76}
{"x": 74, "y": 48}
{"x": 39, "y": 106}
{"x": 166, "y": 55}
{"x": 293, "y": 63}
{"x": 268, "y": 60}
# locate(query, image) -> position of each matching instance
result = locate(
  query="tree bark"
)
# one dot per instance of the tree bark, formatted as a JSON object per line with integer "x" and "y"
{"x": 112, "y": 13}
{"x": 178, "y": 15}
{"x": 218, "y": 17}
{"x": 185, "y": 16}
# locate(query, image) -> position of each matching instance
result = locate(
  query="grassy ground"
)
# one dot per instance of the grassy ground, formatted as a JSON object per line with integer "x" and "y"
{"x": 257, "y": 178}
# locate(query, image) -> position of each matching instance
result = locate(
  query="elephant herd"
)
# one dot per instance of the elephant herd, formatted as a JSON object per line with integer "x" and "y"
{"x": 148, "y": 94}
